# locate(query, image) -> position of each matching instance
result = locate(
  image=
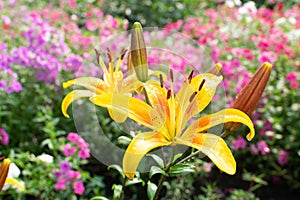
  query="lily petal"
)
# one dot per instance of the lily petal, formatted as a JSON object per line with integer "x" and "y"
{"x": 133, "y": 108}
{"x": 72, "y": 96}
{"x": 221, "y": 117}
{"x": 93, "y": 84}
{"x": 13, "y": 181}
{"x": 189, "y": 107}
{"x": 214, "y": 147}
{"x": 138, "y": 148}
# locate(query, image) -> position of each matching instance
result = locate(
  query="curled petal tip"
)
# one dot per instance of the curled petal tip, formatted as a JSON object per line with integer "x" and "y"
{"x": 215, "y": 69}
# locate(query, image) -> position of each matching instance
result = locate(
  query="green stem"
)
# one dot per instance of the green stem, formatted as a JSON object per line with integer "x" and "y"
{"x": 123, "y": 188}
{"x": 163, "y": 177}
{"x": 159, "y": 187}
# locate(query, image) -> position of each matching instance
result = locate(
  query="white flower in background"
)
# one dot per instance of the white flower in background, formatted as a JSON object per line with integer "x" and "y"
{"x": 14, "y": 172}
{"x": 232, "y": 3}
{"x": 247, "y": 11}
{"x": 46, "y": 158}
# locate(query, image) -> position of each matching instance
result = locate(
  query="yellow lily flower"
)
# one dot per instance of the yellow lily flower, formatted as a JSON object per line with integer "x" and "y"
{"x": 168, "y": 116}
{"x": 3, "y": 175}
{"x": 112, "y": 82}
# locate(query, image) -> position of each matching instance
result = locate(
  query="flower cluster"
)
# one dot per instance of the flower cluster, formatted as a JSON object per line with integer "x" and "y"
{"x": 77, "y": 144}
{"x": 68, "y": 178}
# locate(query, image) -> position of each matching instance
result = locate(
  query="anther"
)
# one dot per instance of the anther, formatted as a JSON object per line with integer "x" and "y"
{"x": 171, "y": 75}
{"x": 98, "y": 55}
{"x": 190, "y": 76}
{"x": 193, "y": 96}
{"x": 169, "y": 94}
{"x": 161, "y": 80}
{"x": 123, "y": 52}
{"x": 109, "y": 54}
{"x": 201, "y": 85}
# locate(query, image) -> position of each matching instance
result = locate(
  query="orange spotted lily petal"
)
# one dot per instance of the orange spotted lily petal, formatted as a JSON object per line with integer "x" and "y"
{"x": 168, "y": 116}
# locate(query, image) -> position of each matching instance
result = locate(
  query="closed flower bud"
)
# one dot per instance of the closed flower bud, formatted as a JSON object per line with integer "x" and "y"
{"x": 251, "y": 93}
{"x": 138, "y": 53}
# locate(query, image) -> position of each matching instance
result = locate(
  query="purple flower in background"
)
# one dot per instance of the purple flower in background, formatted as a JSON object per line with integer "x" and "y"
{"x": 263, "y": 147}
{"x": 253, "y": 149}
{"x": 240, "y": 143}
{"x": 64, "y": 166}
{"x": 84, "y": 153}
{"x": 282, "y": 157}
{"x": 4, "y": 137}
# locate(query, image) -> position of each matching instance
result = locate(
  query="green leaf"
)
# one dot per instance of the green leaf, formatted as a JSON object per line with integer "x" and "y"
{"x": 118, "y": 168}
{"x": 156, "y": 170}
{"x": 157, "y": 159}
{"x": 135, "y": 181}
{"x": 117, "y": 191}
{"x": 182, "y": 168}
{"x": 151, "y": 189}
{"x": 99, "y": 198}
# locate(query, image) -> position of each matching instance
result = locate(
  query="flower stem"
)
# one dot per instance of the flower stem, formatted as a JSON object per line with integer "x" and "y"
{"x": 163, "y": 177}
{"x": 123, "y": 188}
{"x": 159, "y": 187}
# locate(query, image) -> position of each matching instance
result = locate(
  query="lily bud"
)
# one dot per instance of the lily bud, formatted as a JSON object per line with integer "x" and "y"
{"x": 138, "y": 53}
{"x": 251, "y": 93}
{"x": 4, "y": 171}
{"x": 215, "y": 70}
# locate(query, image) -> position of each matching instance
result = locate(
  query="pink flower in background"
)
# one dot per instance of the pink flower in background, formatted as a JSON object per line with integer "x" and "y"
{"x": 4, "y": 137}
{"x": 78, "y": 187}
{"x": 291, "y": 77}
{"x": 207, "y": 166}
{"x": 73, "y": 137}
{"x": 294, "y": 85}
{"x": 253, "y": 149}
{"x": 68, "y": 150}
{"x": 73, "y": 175}
{"x": 240, "y": 143}
{"x": 84, "y": 153}
{"x": 282, "y": 157}
{"x": 267, "y": 56}
{"x": 60, "y": 185}
{"x": 263, "y": 147}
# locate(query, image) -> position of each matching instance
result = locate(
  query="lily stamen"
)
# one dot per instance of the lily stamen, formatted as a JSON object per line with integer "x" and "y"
{"x": 190, "y": 76}
{"x": 161, "y": 80}
{"x": 201, "y": 85}
{"x": 193, "y": 96}
{"x": 169, "y": 94}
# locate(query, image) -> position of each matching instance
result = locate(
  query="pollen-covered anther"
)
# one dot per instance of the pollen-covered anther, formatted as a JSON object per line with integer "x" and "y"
{"x": 201, "y": 85}
{"x": 190, "y": 76}
{"x": 161, "y": 80}
{"x": 193, "y": 96}
{"x": 169, "y": 93}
